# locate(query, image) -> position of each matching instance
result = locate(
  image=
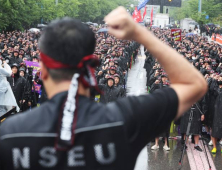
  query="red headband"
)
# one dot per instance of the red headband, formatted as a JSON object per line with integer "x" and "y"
{"x": 53, "y": 64}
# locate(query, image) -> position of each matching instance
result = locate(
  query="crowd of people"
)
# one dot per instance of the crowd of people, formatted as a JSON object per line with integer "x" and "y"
{"x": 209, "y": 30}
{"x": 15, "y": 49}
{"x": 207, "y": 58}
{"x": 115, "y": 57}
{"x": 70, "y": 129}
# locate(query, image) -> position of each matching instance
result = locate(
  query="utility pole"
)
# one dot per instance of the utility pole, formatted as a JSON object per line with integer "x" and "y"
{"x": 161, "y": 6}
{"x": 200, "y": 10}
{"x": 200, "y": 6}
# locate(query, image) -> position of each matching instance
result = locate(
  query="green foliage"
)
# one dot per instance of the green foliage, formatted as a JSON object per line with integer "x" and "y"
{"x": 189, "y": 9}
{"x": 22, "y": 14}
{"x": 18, "y": 14}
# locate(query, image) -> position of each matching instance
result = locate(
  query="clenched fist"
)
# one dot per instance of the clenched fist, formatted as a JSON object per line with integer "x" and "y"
{"x": 121, "y": 24}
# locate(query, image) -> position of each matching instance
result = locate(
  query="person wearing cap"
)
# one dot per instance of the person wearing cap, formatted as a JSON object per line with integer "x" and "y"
{"x": 5, "y": 50}
{"x": 119, "y": 71}
{"x": 22, "y": 51}
{"x": 70, "y": 131}
{"x": 209, "y": 102}
{"x": 35, "y": 59}
{"x": 15, "y": 58}
{"x": 116, "y": 63}
{"x": 123, "y": 59}
{"x": 7, "y": 98}
{"x": 111, "y": 62}
{"x": 27, "y": 97}
{"x": 117, "y": 80}
{"x": 217, "y": 118}
{"x": 39, "y": 81}
{"x": 19, "y": 85}
{"x": 22, "y": 72}
{"x": 20, "y": 56}
{"x": 119, "y": 86}
{"x": 161, "y": 82}
{"x": 23, "y": 65}
{"x": 110, "y": 92}
{"x": 112, "y": 70}
{"x": 196, "y": 128}
{"x": 155, "y": 81}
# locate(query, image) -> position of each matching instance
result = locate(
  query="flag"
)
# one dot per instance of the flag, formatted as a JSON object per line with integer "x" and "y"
{"x": 136, "y": 15}
{"x": 144, "y": 14}
{"x": 142, "y": 4}
{"x": 151, "y": 17}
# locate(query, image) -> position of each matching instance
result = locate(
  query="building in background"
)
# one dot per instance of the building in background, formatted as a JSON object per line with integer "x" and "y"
{"x": 161, "y": 20}
{"x": 158, "y": 18}
{"x": 188, "y": 23}
{"x": 156, "y": 9}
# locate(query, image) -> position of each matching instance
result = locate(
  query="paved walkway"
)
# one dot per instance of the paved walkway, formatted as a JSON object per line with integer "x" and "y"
{"x": 198, "y": 160}
{"x": 136, "y": 85}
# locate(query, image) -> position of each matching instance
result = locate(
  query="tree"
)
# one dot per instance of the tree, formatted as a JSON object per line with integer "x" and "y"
{"x": 89, "y": 10}
{"x": 71, "y": 8}
{"x": 189, "y": 9}
{"x": 18, "y": 14}
{"x": 23, "y": 14}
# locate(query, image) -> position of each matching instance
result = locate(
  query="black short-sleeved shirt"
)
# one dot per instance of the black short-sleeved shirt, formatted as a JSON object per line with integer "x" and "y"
{"x": 107, "y": 137}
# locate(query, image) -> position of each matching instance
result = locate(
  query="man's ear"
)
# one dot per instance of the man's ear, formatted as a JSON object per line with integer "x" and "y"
{"x": 44, "y": 72}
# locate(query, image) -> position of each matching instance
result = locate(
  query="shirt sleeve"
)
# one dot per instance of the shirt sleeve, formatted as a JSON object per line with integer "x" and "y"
{"x": 146, "y": 116}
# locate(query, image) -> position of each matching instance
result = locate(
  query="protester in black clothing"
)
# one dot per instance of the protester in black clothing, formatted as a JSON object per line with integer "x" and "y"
{"x": 20, "y": 88}
{"x": 161, "y": 82}
{"x": 22, "y": 72}
{"x": 4, "y": 50}
{"x": 116, "y": 80}
{"x": 195, "y": 128}
{"x": 70, "y": 131}
{"x": 22, "y": 66}
{"x": 43, "y": 97}
{"x": 111, "y": 93}
{"x": 209, "y": 101}
{"x": 119, "y": 86}
{"x": 15, "y": 58}
{"x": 216, "y": 128}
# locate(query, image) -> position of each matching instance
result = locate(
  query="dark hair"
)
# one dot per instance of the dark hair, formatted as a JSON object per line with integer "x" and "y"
{"x": 66, "y": 40}
{"x": 59, "y": 75}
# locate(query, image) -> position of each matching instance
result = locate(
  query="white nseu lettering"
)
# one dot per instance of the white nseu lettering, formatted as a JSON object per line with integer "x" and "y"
{"x": 68, "y": 113}
{"x": 100, "y": 156}
{"x": 75, "y": 155}
{"x": 48, "y": 154}
{"x": 65, "y": 135}
{"x": 21, "y": 159}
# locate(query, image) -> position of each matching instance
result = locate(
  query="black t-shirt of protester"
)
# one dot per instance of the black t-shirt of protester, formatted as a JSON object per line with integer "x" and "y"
{"x": 107, "y": 137}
